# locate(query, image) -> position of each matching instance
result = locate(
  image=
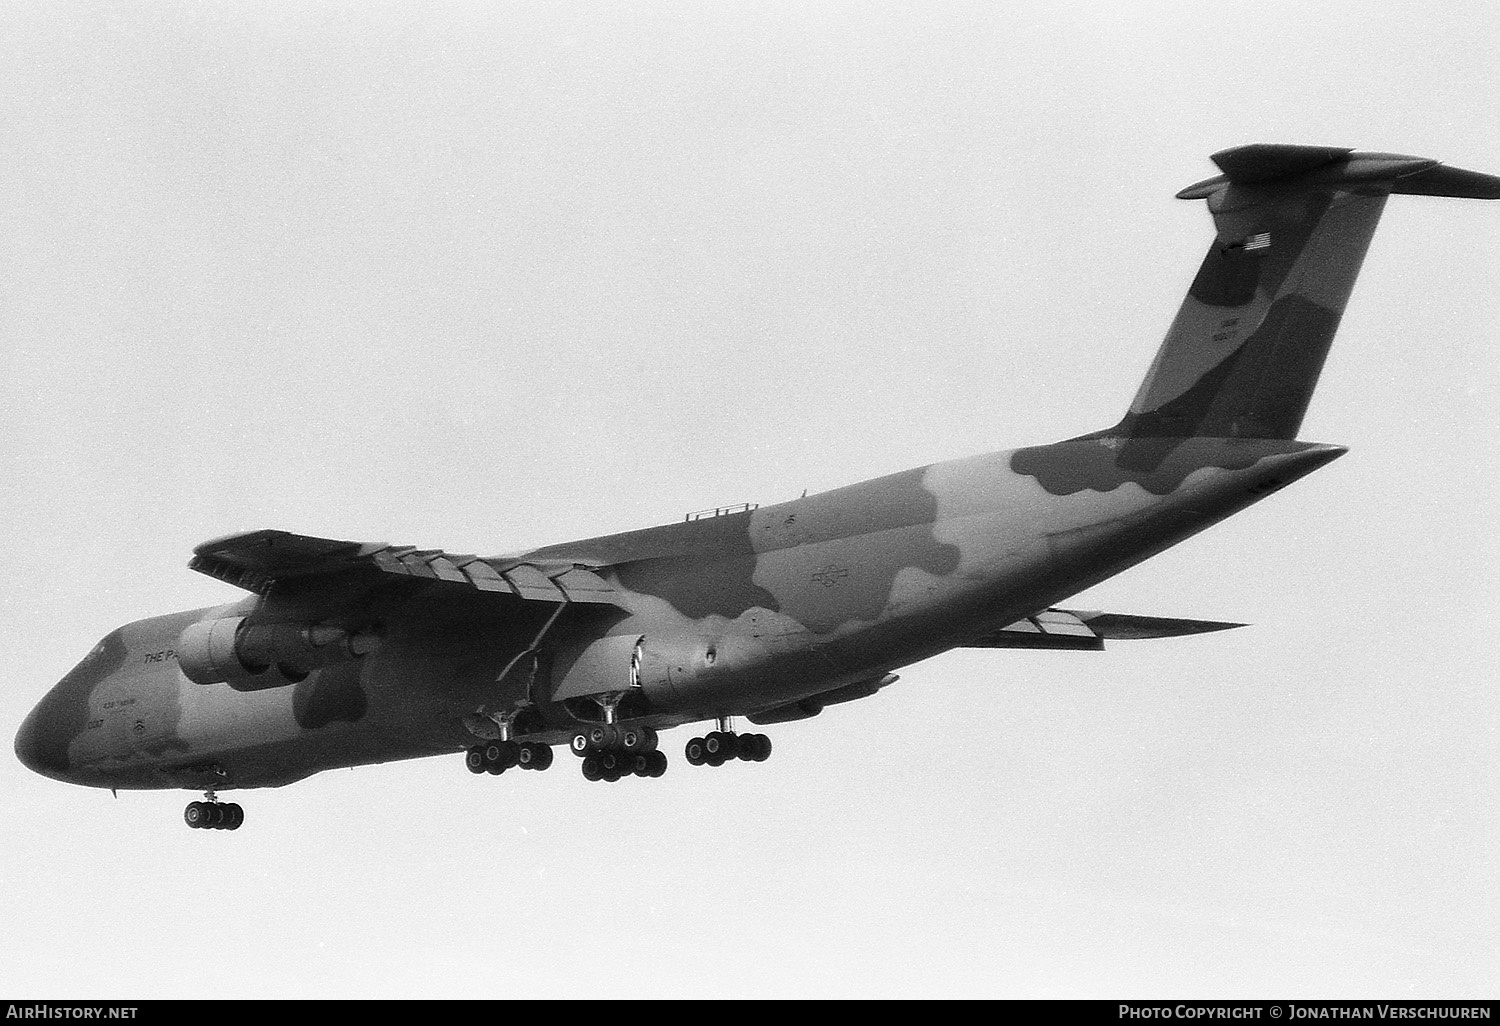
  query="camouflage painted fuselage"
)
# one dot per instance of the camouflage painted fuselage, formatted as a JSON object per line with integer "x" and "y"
{"x": 739, "y": 614}
{"x": 348, "y": 654}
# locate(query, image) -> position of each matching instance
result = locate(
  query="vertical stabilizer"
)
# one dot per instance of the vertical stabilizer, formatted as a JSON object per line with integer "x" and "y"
{"x": 1292, "y": 224}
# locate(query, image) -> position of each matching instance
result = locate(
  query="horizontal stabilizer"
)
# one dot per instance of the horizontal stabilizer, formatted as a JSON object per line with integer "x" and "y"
{"x": 1442, "y": 180}
{"x": 1268, "y": 164}
{"x": 1087, "y": 631}
{"x": 257, "y": 560}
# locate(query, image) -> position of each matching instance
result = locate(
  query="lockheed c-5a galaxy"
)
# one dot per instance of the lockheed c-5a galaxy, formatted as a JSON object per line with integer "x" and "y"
{"x": 345, "y": 653}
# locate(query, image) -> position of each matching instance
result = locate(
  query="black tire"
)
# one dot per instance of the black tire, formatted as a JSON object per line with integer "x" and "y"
{"x": 195, "y": 815}
{"x": 591, "y": 768}
{"x": 474, "y": 759}
{"x": 534, "y": 755}
{"x": 762, "y": 748}
{"x": 716, "y": 750}
{"x": 579, "y": 744}
{"x": 216, "y": 816}
{"x": 658, "y": 763}
{"x": 236, "y": 816}
{"x": 694, "y": 752}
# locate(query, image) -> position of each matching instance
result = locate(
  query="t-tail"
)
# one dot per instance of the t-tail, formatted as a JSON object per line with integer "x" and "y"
{"x": 1292, "y": 224}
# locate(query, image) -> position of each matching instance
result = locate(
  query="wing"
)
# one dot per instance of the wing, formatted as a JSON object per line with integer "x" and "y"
{"x": 1087, "y": 631}
{"x": 257, "y": 560}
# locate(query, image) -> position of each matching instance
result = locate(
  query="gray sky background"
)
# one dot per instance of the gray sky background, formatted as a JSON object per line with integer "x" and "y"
{"x": 484, "y": 276}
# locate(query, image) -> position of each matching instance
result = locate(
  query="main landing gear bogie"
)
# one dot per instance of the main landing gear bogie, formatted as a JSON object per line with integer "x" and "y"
{"x": 611, "y": 766}
{"x": 719, "y": 746}
{"x": 610, "y": 752}
{"x": 495, "y": 757}
{"x": 214, "y": 815}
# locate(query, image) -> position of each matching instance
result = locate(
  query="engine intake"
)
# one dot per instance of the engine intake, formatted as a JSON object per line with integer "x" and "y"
{"x": 254, "y": 656}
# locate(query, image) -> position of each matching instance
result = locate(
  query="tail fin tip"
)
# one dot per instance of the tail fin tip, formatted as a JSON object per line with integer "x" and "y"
{"x": 1261, "y": 164}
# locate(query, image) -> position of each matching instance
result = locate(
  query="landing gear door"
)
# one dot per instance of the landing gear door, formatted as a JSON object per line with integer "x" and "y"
{"x": 652, "y": 670}
{"x": 602, "y": 666}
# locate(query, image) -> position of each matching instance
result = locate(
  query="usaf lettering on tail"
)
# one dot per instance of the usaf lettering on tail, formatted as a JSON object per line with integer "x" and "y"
{"x": 345, "y": 653}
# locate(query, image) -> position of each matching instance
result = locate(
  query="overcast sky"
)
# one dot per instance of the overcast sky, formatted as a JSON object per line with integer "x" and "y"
{"x": 485, "y": 276}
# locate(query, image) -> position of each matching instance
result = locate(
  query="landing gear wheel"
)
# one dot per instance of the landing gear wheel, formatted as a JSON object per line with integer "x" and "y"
{"x": 658, "y": 763}
{"x": 591, "y": 768}
{"x": 718, "y": 748}
{"x": 503, "y": 754}
{"x": 729, "y": 743}
{"x": 534, "y": 755}
{"x": 579, "y": 743}
{"x": 754, "y": 747}
{"x": 695, "y": 753}
{"x": 474, "y": 759}
{"x": 638, "y": 739}
{"x": 235, "y": 817}
{"x": 196, "y": 815}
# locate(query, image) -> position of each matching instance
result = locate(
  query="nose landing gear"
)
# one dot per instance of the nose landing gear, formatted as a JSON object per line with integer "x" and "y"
{"x": 213, "y": 814}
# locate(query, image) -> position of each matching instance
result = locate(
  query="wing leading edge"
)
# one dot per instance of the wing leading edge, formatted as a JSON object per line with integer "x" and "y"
{"x": 258, "y": 559}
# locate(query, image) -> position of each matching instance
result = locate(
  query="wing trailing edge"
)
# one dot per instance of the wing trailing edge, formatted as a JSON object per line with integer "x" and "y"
{"x": 1087, "y": 631}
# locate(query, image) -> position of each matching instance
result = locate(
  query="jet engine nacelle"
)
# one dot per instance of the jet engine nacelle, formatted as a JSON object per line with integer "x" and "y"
{"x": 254, "y": 656}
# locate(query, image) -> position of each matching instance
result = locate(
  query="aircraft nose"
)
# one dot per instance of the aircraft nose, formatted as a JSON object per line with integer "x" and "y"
{"x": 62, "y": 715}
{"x": 39, "y": 746}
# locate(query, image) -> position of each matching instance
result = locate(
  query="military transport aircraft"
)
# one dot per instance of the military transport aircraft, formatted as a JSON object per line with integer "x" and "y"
{"x": 346, "y": 653}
